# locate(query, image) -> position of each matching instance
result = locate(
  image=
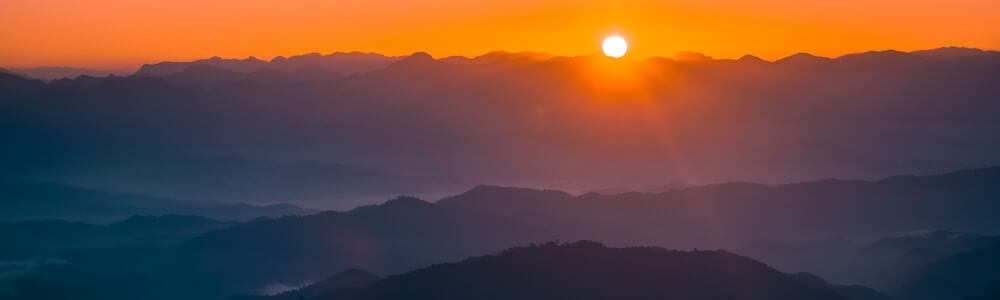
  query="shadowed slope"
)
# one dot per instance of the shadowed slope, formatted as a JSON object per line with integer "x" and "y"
{"x": 588, "y": 270}
{"x": 969, "y": 275}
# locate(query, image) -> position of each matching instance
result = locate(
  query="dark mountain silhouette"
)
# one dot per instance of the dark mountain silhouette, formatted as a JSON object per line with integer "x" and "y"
{"x": 973, "y": 274}
{"x": 589, "y": 270}
{"x": 39, "y": 200}
{"x": 353, "y": 278}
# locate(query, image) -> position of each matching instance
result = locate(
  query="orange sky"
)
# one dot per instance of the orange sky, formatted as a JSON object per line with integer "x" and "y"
{"x": 127, "y": 33}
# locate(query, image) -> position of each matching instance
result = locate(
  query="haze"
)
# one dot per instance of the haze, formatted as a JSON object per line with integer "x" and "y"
{"x": 498, "y": 150}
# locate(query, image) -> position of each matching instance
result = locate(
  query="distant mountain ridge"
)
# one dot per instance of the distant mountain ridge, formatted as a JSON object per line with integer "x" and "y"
{"x": 223, "y": 178}
{"x": 952, "y": 52}
{"x": 715, "y": 213}
{"x": 55, "y": 73}
{"x": 360, "y": 62}
{"x": 344, "y": 63}
{"x": 41, "y": 201}
{"x": 51, "y": 238}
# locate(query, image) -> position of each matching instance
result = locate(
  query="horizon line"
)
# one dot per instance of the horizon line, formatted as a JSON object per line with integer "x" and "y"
{"x": 133, "y": 69}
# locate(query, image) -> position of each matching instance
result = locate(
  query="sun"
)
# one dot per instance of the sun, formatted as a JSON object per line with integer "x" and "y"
{"x": 615, "y": 46}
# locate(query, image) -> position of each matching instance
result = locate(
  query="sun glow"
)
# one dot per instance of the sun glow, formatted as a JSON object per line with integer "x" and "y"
{"x": 614, "y": 46}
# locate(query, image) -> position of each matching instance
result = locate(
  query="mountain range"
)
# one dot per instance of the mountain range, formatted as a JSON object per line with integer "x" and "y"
{"x": 524, "y": 119}
{"x": 50, "y": 238}
{"x": 26, "y": 201}
{"x": 717, "y": 215}
{"x": 408, "y": 233}
{"x": 56, "y": 73}
{"x": 257, "y": 179}
{"x": 339, "y": 62}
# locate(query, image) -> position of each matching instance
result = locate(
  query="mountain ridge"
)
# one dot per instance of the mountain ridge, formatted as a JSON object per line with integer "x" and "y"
{"x": 590, "y": 270}
{"x": 369, "y": 61}
{"x": 37, "y": 200}
{"x": 408, "y": 233}
{"x": 791, "y": 202}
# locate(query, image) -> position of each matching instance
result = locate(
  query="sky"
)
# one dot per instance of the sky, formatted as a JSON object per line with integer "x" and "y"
{"x": 122, "y": 34}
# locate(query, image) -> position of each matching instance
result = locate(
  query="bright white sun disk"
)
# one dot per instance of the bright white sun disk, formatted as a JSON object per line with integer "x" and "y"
{"x": 614, "y": 46}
